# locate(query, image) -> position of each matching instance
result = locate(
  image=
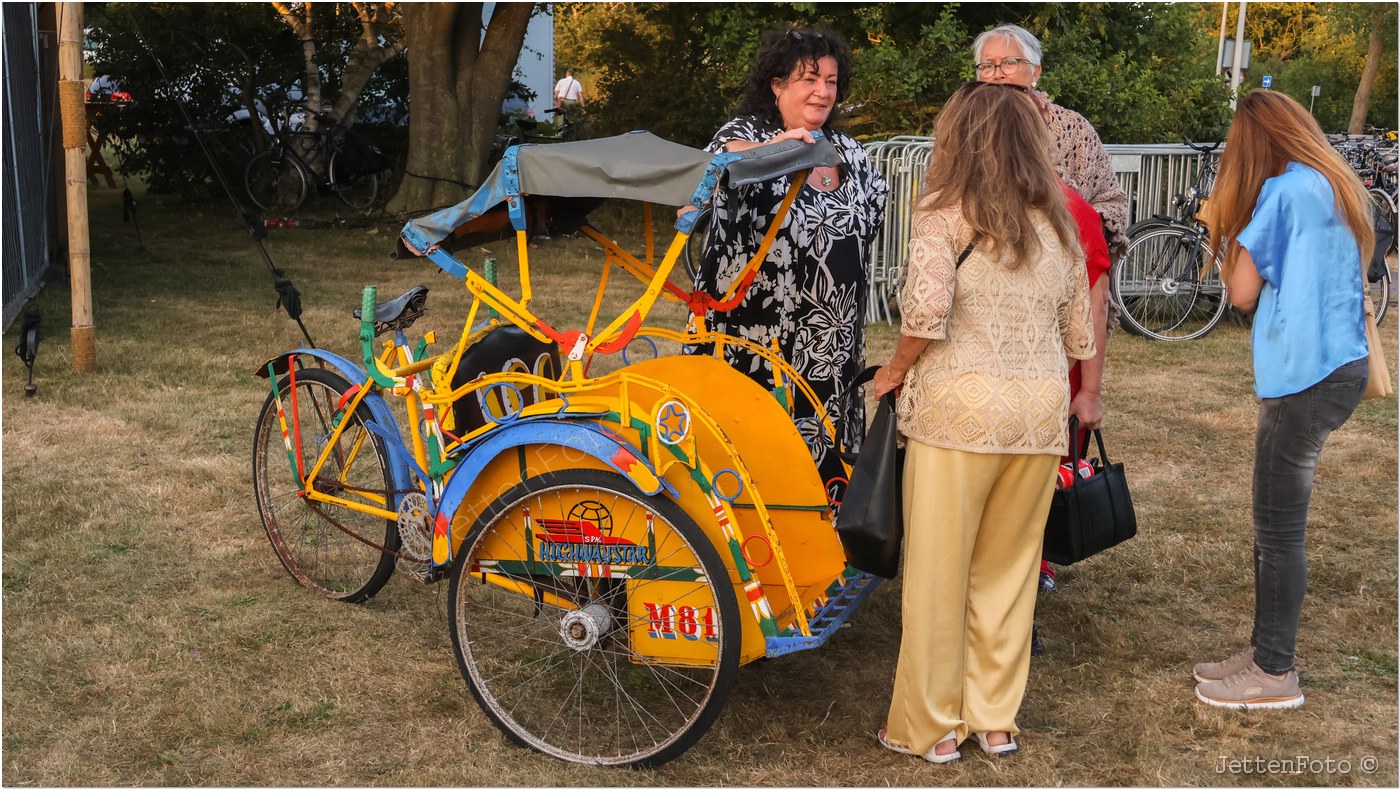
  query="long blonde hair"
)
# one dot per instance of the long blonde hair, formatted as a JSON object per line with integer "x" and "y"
{"x": 1269, "y": 131}
{"x": 992, "y": 157}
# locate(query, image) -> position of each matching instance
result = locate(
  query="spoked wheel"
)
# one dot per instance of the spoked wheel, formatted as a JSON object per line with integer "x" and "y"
{"x": 335, "y": 550}
{"x": 275, "y": 182}
{"x": 1378, "y": 288}
{"x": 1168, "y": 285}
{"x": 354, "y": 188}
{"x": 593, "y": 623}
{"x": 1378, "y": 274}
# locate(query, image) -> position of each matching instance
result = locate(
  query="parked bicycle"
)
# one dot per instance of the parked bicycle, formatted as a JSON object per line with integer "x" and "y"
{"x": 526, "y": 130}
{"x": 1168, "y": 284}
{"x": 324, "y": 158}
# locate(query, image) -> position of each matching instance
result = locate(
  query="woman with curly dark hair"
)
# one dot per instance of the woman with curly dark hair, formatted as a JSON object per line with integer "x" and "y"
{"x": 810, "y": 294}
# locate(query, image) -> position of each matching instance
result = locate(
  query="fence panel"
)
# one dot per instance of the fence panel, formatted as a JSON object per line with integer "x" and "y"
{"x": 1151, "y": 175}
{"x": 25, "y": 222}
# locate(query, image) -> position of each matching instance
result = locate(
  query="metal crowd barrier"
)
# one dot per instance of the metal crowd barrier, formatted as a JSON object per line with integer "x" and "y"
{"x": 1151, "y": 175}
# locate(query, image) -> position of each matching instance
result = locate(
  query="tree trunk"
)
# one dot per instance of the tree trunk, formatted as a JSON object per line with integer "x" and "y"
{"x": 1361, "y": 104}
{"x": 457, "y": 81}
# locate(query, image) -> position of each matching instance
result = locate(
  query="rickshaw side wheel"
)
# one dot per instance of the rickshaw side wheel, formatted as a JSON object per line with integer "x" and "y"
{"x": 594, "y": 623}
{"x": 312, "y": 541}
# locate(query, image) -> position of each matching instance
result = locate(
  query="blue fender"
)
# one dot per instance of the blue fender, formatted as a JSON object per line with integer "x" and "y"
{"x": 382, "y": 421}
{"x": 596, "y": 440}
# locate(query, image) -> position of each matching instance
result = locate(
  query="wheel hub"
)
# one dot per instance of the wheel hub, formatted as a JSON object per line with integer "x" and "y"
{"x": 583, "y": 628}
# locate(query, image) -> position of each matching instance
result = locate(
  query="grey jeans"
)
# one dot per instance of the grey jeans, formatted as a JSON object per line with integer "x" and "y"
{"x": 1287, "y": 444}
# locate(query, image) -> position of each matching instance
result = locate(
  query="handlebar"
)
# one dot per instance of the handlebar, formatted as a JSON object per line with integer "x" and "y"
{"x": 1199, "y": 147}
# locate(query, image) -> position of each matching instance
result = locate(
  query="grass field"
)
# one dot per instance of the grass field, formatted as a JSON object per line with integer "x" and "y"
{"x": 152, "y": 638}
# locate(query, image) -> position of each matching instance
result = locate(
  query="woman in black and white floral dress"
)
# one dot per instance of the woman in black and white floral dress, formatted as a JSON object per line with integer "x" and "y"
{"x": 810, "y": 293}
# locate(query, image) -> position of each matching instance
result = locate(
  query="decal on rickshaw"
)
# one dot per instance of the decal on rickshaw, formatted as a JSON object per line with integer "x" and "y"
{"x": 672, "y": 422}
{"x": 693, "y": 624}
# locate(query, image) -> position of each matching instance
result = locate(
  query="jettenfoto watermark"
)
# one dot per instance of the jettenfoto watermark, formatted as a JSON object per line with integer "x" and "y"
{"x": 1301, "y": 764}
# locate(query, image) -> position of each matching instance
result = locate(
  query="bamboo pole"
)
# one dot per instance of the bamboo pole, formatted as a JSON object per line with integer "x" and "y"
{"x": 74, "y": 113}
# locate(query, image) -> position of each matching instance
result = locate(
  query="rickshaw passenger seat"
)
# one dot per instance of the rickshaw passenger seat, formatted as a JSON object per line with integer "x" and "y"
{"x": 503, "y": 349}
{"x": 767, "y": 162}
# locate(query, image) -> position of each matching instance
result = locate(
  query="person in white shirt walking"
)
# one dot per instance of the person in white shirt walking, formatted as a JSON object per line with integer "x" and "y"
{"x": 568, "y": 92}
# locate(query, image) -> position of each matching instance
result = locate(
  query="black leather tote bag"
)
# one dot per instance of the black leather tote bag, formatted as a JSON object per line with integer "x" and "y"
{"x": 871, "y": 521}
{"x": 1091, "y": 515}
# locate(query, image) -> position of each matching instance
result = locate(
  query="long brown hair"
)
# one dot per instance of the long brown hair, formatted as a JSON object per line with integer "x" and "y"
{"x": 992, "y": 157}
{"x": 1269, "y": 131}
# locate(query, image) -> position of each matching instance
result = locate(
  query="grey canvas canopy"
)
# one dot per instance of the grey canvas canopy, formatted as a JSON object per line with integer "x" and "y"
{"x": 634, "y": 166}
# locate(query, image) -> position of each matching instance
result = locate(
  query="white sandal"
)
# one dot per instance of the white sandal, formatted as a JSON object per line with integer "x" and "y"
{"x": 932, "y": 756}
{"x": 1005, "y": 749}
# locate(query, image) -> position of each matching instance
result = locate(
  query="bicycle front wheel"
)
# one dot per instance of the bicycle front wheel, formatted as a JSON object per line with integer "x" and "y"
{"x": 354, "y": 188}
{"x": 275, "y": 182}
{"x": 340, "y": 552}
{"x": 1168, "y": 285}
{"x": 592, "y": 623}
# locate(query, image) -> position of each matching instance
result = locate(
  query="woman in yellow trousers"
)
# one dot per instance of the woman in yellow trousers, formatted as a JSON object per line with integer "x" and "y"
{"x": 996, "y": 301}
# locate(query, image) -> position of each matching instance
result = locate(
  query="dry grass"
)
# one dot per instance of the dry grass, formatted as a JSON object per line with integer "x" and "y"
{"x": 150, "y": 636}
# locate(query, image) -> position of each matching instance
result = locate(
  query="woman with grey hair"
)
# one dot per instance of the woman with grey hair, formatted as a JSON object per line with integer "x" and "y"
{"x": 1009, "y": 54}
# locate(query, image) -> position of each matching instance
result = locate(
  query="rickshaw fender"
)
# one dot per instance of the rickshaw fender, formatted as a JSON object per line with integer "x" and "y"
{"x": 597, "y": 441}
{"x": 380, "y": 413}
{"x": 282, "y": 361}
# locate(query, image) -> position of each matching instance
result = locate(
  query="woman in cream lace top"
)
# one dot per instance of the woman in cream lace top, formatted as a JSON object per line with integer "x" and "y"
{"x": 995, "y": 301}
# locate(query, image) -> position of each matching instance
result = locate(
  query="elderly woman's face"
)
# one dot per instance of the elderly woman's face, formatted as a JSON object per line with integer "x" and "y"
{"x": 806, "y": 97}
{"x": 995, "y": 52}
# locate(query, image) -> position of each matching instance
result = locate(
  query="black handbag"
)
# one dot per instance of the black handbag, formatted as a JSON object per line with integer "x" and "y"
{"x": 1091, "y": 515}
{"x": 871, "y": 520}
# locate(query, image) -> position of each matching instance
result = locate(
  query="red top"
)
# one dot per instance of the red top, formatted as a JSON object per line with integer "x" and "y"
{"x": 1095, "y": 247}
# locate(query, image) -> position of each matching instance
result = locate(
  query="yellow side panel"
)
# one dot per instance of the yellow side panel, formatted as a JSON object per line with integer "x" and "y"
{"x": 763, "y": 435}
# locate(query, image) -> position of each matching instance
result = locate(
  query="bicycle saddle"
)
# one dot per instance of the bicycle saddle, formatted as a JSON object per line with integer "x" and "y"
{"x": 775, "y": 160}
{"x": 399, "y": 313}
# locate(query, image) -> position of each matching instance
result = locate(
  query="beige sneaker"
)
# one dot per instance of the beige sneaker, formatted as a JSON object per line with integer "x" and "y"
{"x": 1214, "y": 672}
{"x": 1252, "y": 689}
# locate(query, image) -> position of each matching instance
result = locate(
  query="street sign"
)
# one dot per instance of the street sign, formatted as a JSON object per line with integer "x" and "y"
{"x": 1317, "y": 90}
{"x": 1227, "y": 58}
{"x": 1268, "y": 81}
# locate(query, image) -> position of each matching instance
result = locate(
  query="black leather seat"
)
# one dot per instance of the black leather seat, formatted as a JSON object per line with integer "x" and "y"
{"x": 503, "y": 349}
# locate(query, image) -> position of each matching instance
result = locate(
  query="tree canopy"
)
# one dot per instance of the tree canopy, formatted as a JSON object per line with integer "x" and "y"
{"x": 1141, "y": 72}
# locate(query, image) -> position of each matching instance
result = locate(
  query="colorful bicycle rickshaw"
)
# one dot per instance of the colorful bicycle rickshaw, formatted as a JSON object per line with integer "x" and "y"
{"x": 616, "y": 546}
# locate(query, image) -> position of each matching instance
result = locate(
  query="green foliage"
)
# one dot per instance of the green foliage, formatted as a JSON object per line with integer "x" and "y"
{"x": 1305, "y": 44}
{"x": 1141, "y": 72}
{"x": 219, "y": 58}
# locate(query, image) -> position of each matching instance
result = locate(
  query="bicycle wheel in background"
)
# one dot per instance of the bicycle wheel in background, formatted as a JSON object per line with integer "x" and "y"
{"x": 1378, "y": 272}
{"x": 337, "y": 551}
{"x": 1168, "y": 285}
{"x": 275, "y": 182}
{"x": 593, "y": 623}
{"x": 1379, "y": 289}
{"x": 355, "y": 188}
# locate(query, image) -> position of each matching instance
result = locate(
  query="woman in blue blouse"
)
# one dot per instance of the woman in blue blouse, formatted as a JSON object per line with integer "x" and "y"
{"x": 1291, "y": 221}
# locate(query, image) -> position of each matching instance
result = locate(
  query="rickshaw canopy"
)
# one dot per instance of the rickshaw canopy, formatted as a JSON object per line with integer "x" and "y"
{"x": 634, "y": 166}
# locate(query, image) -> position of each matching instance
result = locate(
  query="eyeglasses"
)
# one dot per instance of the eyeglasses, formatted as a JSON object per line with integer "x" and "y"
{"x": 1007, "y": 66}
{"x": 796, "y": 35}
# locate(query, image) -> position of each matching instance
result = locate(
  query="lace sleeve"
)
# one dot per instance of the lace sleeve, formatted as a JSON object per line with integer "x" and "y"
{"x": 1076, "y": 318}
{"x": 927, "y": 295}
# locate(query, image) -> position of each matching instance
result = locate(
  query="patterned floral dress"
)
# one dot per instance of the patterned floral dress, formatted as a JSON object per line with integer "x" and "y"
{"x": 810, "y": 294}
